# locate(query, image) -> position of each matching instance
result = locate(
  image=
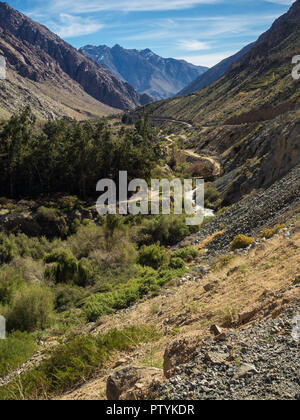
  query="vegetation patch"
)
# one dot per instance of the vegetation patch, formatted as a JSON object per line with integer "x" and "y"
{"x": 241, "y": 242}
{"x": 269, "y": 233}
{"x": 74, "y": 362}
{"x": 15, "y": 350}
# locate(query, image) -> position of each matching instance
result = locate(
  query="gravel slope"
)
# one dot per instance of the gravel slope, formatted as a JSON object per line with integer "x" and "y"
{"x": 259, "y": 363}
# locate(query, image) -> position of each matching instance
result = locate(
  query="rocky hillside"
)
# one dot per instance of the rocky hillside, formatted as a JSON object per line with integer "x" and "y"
{"x": 214, "y": 73}
{"x": 229, "y": 329}
{"x": 249, "y": 118}
{"x": 257, "y": 87}
{"x": 147, "y": 72}
{"x": 52, "y": 76}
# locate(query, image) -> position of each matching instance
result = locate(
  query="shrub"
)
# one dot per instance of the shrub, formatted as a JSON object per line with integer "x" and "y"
{"x": 52, "y": 224}
{"x": 187, "y": 254}
{"x": 64, "y": 268}
{"x": 15, "y": 350}
{"x": 241, "y": 242}
{"x": 87, "y": 240}
{"x": 76, "y": 361}
{"x": 269, "y": 233}
{"x": 69, "y": 203}
{"x": 68, "y": 297}
{"x": 7, "y": 250}
{"x": 35, "y": 248}
{"x": 152, "y": 256}
{"x": 176, "y": 263}
{"x": 147, "y": 281}
{"x": 212, "y": 198}
{"x": 10, "y": 282}
{"x": 85, "y": 273}
{"x": 168, "y": 230}
{"x": 31, "y": 309}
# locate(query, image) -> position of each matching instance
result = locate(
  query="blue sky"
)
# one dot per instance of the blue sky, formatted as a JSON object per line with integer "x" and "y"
{"x": 200, "y": 31}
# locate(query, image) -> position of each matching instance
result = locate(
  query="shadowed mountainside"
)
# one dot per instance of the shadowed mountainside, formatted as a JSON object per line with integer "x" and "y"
{"x": 52, "y": 76}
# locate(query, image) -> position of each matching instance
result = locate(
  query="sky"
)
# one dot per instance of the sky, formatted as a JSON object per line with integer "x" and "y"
{"x": 202, "y": 32}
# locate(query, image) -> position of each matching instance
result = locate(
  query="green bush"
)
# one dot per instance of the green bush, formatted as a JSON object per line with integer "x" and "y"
{"x": 68, "y": 297}
{"x": 65, "y": 268}
{"x": 15, "y": 350}
{"x": 187, "y": 254}
{"x": 69, "y": 203}
{"x": 30, "y": 310}
{"x": 35, "y": 248}
{"x": 176, "y": 263}
{"x": 212, "y": 198}
{"x": 7, "y": 249}
{"x": 241, "y": 242}
{"x": 152, "y": 256}
{"x": 147, "y": 281}
{"x": 52, "y": 223}
{"x": 10, "y": 282}
{"x": 85, "y": 273}
{"x": 74, "y": 362}
{"x": 168, "y": 230}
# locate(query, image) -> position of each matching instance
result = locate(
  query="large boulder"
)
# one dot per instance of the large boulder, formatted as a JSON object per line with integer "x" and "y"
{"x": 132, "y": 383}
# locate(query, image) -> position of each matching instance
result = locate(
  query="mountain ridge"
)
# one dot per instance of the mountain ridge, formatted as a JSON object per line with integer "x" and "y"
{"x": 215, "y": 72}
{"x": 146, "y": 71}
{"x": 38, "y": 56}
{"x": 257, "y": 83}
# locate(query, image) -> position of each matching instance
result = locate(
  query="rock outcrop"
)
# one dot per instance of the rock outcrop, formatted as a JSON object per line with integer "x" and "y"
{"x": 132, "y": 383}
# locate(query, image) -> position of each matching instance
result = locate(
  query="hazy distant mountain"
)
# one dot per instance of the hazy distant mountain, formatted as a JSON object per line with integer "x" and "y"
{"x": 53, "y": 77}
{"x": 147, "y": 72}
{"x": 214, "y": 73}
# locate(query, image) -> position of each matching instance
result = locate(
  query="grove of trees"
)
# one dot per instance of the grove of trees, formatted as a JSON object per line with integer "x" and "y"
{"x": 70, "y": 157}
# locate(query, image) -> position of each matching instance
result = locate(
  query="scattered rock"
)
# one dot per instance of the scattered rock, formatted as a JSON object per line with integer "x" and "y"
{"x": 216, "y": 330}
{"x": 211, "y": 286}
{"x": 132, "y": 383}
{"x": 260, "y": 362}
{"x": 216, "y": 358}
{"x": 244, "y": 370}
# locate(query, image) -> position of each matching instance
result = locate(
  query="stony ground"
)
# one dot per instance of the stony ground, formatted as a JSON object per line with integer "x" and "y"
{"x": 251, "y": 214}
{"x": 261, "y": 362}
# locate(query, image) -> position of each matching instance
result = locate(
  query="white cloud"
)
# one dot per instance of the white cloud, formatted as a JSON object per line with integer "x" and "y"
{"x": 284, "y": 2}
{"x": 193, "y": 45}
{"x": 69, "y": 26}
{"x": 78, "y": 6}
{"x": 208, "y": 60}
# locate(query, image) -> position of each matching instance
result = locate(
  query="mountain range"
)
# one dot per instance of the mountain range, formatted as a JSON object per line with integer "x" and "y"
{"x": 249, "y": 117}
{"x": 147, "y": 72}
{"x": 53, "y": 77}
{"x": 256, "y": 87}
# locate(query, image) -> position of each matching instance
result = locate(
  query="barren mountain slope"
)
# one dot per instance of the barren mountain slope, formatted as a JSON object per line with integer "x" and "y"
{"x": 258, "y": 87}
{"x": 38, "y": 57}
